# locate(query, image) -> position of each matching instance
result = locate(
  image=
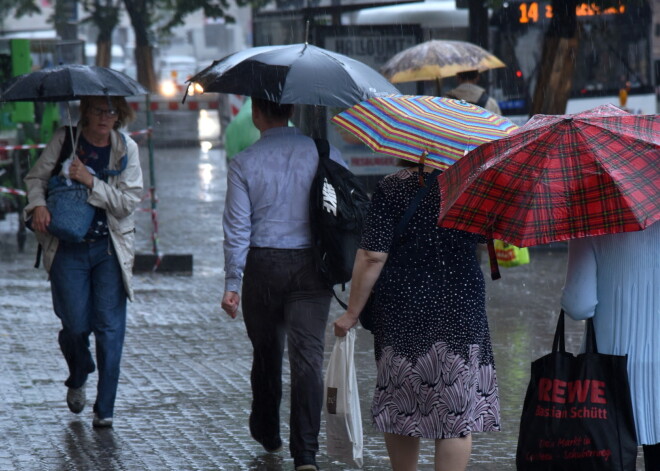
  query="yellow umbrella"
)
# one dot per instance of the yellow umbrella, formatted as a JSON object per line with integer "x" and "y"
{"x": 437, "y": 59}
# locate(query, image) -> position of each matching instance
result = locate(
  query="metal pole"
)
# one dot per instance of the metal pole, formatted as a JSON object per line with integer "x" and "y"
{"x": 152, "y": 179}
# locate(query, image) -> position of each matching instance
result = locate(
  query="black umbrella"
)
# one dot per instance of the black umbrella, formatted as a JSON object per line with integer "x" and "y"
{"x": 69, "y": 82}
{"x": 297, "y": 73}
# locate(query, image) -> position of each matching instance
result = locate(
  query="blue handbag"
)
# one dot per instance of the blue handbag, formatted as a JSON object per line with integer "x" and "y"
{"x": 70, "y": 213}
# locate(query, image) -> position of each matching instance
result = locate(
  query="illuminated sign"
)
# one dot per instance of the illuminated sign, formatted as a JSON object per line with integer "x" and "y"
{"x": 532, "y": 12}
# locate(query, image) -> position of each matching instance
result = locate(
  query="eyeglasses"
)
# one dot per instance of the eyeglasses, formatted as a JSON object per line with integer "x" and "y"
{"x": 104, "y": 112}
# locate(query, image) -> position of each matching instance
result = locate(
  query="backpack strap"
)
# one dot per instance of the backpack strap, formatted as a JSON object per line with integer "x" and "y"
{"x": 322, "y": 147}
{"x": 483, "y": 99}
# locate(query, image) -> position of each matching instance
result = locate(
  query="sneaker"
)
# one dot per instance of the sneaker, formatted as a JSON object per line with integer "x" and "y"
{"x": 101, "y": 423}
{"x": 75, "y": 399}
{"x": 307, "y": 467}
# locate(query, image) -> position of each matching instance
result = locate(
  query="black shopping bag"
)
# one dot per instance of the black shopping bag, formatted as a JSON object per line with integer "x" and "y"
{"x": 577, "y": 413}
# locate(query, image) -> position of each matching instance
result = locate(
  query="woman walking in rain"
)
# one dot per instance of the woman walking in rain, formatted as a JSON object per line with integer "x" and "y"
{"x": 91, "y": 280}
{"x": 436, "y": 374}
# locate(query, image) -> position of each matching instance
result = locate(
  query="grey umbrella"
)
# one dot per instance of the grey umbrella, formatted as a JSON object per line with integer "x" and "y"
{"x": 296, "y": 73}
{"x": 69, "y": 82}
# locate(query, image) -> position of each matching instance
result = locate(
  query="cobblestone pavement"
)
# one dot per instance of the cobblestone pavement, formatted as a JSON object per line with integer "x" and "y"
{"x": 183, "y": 399}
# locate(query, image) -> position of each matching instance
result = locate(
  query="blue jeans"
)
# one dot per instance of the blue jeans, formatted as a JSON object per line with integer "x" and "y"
{"x": 284, "y": 299}
{"x": 89, "y": 296}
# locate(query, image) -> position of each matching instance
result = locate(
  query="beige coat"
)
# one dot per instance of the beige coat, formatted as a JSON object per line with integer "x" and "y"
{"x": 120, "y": 196}
{"x": 471, "y": 93}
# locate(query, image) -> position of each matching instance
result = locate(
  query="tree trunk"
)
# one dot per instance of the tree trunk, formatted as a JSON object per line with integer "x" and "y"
{"x": 139, "y": 14}
{"x": 103, "y": 54}
{"x": 560, "y": 44}
{"x": 145, "y": 66}
{"x": 105, "y": 17}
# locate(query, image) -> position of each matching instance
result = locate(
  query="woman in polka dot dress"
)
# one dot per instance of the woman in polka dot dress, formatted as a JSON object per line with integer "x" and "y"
{"x": 436, "y": 375}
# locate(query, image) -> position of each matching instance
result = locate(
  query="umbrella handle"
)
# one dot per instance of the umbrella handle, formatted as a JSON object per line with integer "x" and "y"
{"x": 494, "y": 266}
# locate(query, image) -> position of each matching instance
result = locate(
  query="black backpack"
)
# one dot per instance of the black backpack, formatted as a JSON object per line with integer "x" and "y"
{"x": 338, "y": 208}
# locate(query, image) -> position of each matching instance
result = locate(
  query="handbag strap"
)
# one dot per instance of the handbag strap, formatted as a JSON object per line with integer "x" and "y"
{"x": 123, "y": 163}
{"x": 68, "y": 146}
{"x": 412, "y": 208}
{"x": 559, "y": 343}
{"x": 591, "y": 346}
{"x": 423, "y": 191}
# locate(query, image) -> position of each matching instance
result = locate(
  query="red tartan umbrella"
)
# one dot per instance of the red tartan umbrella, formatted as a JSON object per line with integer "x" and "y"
{"x": 558, "y": 177}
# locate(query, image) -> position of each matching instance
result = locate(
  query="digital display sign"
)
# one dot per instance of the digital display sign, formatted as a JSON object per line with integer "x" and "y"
{"x": 533, "y": 12}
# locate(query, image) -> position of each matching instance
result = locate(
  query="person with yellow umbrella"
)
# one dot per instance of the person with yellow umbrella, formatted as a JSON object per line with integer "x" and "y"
{"x": 469, "y": 91}
{"x": 437, "y": 59}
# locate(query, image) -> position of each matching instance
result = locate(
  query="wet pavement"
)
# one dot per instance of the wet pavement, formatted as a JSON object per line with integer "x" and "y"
{"x": 184, "y": 397}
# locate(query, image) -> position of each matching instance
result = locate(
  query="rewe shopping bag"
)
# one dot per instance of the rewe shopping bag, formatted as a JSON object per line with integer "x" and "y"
{"x": 577, "y": 414}
{"x": 341, "y": 404}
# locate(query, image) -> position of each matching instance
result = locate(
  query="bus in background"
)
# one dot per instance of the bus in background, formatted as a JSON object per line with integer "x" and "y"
{"x": 614, "y": 58}
{"x": 614, "y": 62}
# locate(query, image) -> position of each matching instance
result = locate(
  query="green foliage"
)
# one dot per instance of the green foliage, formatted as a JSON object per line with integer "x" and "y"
{"x": 102, "y": 12}
{"x": 20, "y": 8}
{"x": 179, "y": 9}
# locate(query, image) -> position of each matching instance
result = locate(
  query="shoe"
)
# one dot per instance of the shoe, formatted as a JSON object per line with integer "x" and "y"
{"x": 307, "y": 467}
{"x": 75, "y": 399}
{"x": 272, "y": 445}
{"x": 305, "y": 464}
{"x": 101, "y": 423}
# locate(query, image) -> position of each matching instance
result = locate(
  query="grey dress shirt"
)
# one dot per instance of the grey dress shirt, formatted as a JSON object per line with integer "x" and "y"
{"x": 267, "y": 203}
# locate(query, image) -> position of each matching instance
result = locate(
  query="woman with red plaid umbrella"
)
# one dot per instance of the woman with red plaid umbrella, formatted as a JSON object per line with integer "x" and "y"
{"x": 615, "y": 279}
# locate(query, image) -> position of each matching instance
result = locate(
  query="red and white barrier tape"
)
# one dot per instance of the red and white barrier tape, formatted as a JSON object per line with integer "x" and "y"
{"x": 23, "y": 147}
{"x": 12, "y": 191}
{"x": 176, "y": 105}
{"x": 42, "y": 146}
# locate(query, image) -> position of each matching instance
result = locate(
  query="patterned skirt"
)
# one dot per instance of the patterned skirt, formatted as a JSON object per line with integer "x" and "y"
{"x": 442, "y": 395}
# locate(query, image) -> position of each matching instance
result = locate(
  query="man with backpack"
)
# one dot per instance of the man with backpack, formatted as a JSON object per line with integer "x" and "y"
{"x": 469, "y": 91}
{"x": 268, "y": 247}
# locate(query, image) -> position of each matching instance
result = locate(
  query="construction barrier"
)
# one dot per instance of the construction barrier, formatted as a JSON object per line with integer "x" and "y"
{"x": 157, "y": 103}
{"x": 17, "y": 192}
{"x": 12, "y": 191}
{"x": 42, "y": 146}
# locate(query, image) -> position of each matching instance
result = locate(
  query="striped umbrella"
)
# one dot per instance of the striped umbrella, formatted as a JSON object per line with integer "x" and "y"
{"x": 559, "y": 177}
{"x": 437, "y": 130}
